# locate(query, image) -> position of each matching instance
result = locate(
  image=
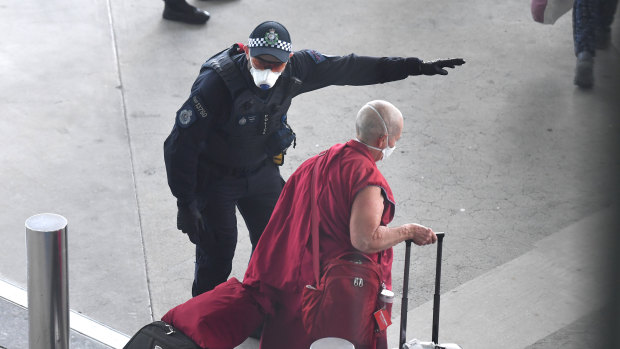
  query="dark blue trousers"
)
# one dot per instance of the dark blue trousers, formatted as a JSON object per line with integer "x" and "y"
{"x": 589, "y": 18}
{"x": 255, "y": 195}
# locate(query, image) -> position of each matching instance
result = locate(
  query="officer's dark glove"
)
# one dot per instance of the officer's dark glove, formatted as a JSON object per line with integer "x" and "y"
{"x": 190, "y": 222}
{"x": 436, "y": 67}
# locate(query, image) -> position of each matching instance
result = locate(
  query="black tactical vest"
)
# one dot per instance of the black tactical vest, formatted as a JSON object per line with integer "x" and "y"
{"x": 240, "y": 142}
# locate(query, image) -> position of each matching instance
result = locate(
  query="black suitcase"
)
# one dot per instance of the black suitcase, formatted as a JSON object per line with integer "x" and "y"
{"x": 160, "y": 335}
{"x": 436, "y": 298}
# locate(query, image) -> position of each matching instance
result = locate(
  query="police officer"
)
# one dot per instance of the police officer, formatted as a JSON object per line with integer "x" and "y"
{"x": 232, "y": 133}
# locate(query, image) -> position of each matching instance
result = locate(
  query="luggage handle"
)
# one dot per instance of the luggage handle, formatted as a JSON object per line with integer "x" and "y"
{"x": 436, "y": 296}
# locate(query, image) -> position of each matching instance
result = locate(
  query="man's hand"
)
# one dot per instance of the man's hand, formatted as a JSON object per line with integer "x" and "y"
{"x": 190, "y": 222}
{"x": 420, "y": 235}
{"x": 436, "y": 67}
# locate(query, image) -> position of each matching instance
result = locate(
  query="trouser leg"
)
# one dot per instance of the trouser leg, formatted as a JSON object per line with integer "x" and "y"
{"x": 181, "y": 11}
{"x": 216, "y": 248}
{"x": 256, "y": 208}
{"x": 211, "y": 270}
{"x": 264, "y": 189}
{"x": 255, "y": 196}
{"x": 179, "y": 5}
{"x": 607, "y": 11}
{"x": 585, "y": 17}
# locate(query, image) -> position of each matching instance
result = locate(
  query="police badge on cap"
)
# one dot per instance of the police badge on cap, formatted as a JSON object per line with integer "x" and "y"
{"x": 270, "y": 38}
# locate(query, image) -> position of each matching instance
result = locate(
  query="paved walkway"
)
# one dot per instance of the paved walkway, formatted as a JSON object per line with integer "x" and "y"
{"x": 14, "y": 332}
{"x": 504, "y": 153}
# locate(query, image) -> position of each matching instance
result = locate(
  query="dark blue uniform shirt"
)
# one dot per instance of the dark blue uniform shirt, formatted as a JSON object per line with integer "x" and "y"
{"x": 213, "y": 102}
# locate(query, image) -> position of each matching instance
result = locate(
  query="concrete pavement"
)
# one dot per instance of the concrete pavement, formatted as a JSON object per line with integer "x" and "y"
{"x": 14, "y": 333}
{"x": 504, "y": 153}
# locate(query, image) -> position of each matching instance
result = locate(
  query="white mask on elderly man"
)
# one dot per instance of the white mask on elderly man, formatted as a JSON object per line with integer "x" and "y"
{"x": 387, "y": 151}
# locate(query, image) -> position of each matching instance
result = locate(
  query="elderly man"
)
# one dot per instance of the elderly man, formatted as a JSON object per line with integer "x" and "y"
{"x": 355, "y": 205}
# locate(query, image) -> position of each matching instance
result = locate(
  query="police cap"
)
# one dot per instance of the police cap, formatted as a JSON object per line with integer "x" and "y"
{"x": 270, "y": 38}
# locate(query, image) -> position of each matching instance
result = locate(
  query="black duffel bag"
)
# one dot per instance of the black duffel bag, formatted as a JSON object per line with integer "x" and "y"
{"x": 161, "y": 335}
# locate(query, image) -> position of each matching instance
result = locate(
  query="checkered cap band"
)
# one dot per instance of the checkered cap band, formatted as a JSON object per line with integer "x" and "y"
{"x": 260, "y": 42}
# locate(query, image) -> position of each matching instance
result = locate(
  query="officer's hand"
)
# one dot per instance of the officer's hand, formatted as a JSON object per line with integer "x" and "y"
{"x": 420, "y": 235}
{"x": 436, "y": 67}
{"x": 190, "y": 222}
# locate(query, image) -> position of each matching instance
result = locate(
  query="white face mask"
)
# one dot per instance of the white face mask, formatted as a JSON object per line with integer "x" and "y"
{"x": 265, "y": 79}
{"x": 387, "y": 151}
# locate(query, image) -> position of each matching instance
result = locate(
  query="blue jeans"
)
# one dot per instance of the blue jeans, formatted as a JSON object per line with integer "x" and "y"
{"x": 255, "y": 195}
{"x": 591, "y": 17}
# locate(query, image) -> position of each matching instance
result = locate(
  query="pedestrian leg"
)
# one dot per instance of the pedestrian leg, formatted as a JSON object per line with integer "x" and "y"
{"x": 264, "y": 189}
{"x": 606, "y": 12}
{"x": 216, "y": 249}
{"x": 584, "y": 26}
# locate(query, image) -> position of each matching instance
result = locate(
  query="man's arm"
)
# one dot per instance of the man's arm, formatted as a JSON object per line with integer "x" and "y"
{"x": 368, "y": 236}
{"x": 317, "y": 70}
{"x": 188, "y": 138}
{"x": 181, "y": 153}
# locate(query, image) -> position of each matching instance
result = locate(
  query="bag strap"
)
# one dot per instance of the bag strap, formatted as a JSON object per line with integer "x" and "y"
{"x": 314, "y": 222}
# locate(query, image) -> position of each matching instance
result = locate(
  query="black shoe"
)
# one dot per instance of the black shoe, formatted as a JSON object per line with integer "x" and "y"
{"x": 584, "y": 75}
{"x": 184, "y": 12}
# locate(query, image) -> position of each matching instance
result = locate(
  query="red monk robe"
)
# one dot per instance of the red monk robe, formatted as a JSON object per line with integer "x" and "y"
{"x": 281, "y": 265}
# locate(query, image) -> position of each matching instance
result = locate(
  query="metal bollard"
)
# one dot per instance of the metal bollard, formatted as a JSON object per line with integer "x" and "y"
{"x": 48, "y": 282}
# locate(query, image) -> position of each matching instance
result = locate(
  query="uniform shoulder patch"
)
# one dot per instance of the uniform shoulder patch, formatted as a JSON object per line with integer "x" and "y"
{"x": 317, "y": 57}
{"x": 185, "y": 117}
{"x": 190, "y": 111}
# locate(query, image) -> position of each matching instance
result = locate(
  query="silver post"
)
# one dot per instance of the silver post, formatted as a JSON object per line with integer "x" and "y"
{"x": 48, "y": 282}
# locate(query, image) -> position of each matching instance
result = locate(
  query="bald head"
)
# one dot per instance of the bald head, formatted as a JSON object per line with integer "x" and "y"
{"x": 369, "y": 125}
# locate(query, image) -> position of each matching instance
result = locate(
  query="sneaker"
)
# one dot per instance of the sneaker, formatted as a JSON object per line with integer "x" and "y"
{"x": 584, "y": 76}
{"x": 184, "y": 12}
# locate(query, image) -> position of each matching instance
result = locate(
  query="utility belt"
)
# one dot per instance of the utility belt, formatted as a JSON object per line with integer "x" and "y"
{"x": 225, "y": 171}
